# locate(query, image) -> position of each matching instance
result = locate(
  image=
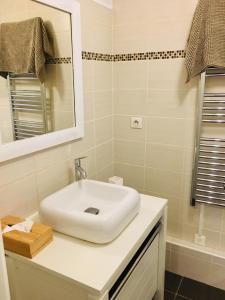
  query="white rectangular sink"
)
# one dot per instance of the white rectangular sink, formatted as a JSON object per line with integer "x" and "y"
{"x": 109, "y": 207}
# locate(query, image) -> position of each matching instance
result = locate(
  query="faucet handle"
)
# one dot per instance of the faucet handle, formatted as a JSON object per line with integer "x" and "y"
{"x": 78, "y": 160}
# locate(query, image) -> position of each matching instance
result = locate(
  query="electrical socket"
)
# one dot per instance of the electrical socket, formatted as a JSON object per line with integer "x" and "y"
{"x": 136, "y": 122}
{"x": 200, "y": 239}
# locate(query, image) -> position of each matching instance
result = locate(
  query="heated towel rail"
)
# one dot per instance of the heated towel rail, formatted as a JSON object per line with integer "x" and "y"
{"x": 208, "y": 180}
{"x": 29, "y": 107}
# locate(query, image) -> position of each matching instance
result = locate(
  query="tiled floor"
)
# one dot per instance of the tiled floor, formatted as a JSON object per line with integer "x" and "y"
{"x": 181, "y": 288}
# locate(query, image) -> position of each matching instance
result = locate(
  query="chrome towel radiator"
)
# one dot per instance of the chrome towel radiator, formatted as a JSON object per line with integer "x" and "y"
{"x": 208, "y": 180}
{"x": 29, "y": 107}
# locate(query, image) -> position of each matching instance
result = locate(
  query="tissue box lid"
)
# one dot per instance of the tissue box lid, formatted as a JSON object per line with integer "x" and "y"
{"x": 27, "y": 244}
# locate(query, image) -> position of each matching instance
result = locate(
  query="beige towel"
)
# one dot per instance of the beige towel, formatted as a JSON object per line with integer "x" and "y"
{"x": 23, "y": 47}
{"x": 206, "y": 44}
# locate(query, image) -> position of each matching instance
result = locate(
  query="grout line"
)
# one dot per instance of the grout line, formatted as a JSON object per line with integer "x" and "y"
{"x": 168, "y": 291}
{"x": 178, "y": 287}
{"x": 149, "y": 167}
{"x": 145, "y": 121}
{"x": 177, "y": 293}
{"x": 156, "y": 117}
{"x": 184, "y": 297}
{"x": 180, "y": 147}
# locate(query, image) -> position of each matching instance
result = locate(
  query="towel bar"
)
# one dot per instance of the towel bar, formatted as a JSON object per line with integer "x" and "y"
{"x": 32, "y": 102}
{"x": 208, "y": 178}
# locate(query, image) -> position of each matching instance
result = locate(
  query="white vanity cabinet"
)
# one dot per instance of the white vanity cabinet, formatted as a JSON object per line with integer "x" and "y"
{"x": 129, "y": 268}
{"x": 141, "y": 283}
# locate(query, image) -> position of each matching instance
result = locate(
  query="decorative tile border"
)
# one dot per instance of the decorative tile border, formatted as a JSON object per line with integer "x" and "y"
{"x": 134, "y": 56}
{"x": 59, "y": 60}
{"x": 97, "y": 56}
{"x": 150, "y": 55}
{"x": 119, "y": 57}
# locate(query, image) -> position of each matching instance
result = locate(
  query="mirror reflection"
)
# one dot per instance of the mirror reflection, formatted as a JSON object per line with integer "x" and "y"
{"x": 36, "y": 71}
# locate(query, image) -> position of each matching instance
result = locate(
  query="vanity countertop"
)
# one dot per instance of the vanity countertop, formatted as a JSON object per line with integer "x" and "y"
{"x": 92, "y": 266}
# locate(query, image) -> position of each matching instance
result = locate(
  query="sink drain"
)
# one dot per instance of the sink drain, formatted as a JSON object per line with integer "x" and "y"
{"x": 92, "y": 210}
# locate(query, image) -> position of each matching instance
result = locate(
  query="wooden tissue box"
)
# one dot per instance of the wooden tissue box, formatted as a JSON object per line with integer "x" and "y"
{"x": 27, "y": 244}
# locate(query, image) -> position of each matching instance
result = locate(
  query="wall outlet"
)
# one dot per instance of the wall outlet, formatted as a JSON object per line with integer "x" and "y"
{"x": 200, "y": 239}
{"x": 136, "y": 122}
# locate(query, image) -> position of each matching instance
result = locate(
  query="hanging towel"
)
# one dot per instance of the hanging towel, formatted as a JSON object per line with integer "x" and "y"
{"x": 24, "y": 47}
{"x": 206, "y": 43}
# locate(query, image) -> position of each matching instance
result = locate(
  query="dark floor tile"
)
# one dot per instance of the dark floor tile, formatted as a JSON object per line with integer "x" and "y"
{"x": 216, "y": 294}
{"x": 172, "y": 281}
{"x": 193, "y": 289}
{"x": 199, "y": 291}
{"x": 169, "y": 296}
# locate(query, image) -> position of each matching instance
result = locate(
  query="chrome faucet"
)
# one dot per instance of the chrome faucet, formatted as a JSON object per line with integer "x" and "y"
{"x": 80, "y": 173}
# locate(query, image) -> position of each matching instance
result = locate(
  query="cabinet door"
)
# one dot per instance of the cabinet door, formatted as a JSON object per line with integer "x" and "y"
{"x": 31, "y": 283}
{"x": 142, "y": 283}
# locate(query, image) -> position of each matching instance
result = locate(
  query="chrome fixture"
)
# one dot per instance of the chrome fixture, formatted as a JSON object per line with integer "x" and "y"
{"x": 208, "y": 180}
{"x": 80, "y": 173}
{"x": 29, "y": 107}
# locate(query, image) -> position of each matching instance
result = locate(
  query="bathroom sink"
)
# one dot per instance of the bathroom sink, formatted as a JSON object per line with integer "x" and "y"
{"x": 91, "y": 210}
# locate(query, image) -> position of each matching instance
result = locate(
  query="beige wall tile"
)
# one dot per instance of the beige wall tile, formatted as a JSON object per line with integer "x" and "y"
{"x": 103, "y": 129}
{"x": 212, "y": 238}
{"x": 169, "y": 74}
{"x": 213, "y": 218}
{"x": 129, "y": 12}
{"x": 93, "y": 13}
{"x": 174, "y": 210}
{"x": 185, "y": 249}
{"x": 152, "y": 35}
{"x": 14, "y": 170}
{"x": 129, "y": 152}
{"x": 102, "y": 75}
{"x": 222, "y": 242}
{"x": 86, "y": 143}
{"x": 102, "y": 38}
{"x": 88, "y": 75}
{"x": 89, "y": 106}
{"x": 130, "y": 102}
{"x": 216, "y": 276}
{"x": 174, "y": 229}
{"x": 103, "y": 104}
{"x": 190, "y": 266}
{"x": 43, "y": 159}
{"x": 164, "y": 182}
{"x": 169, "y": 131}
{"x": 175, "y": 104}
{"x": 105, "y": 174}
{"x": 52, "y": 178}
{"x": 130, "y": 75}
{"x": 190, "y": 214}
{"x": 104, "y": 155}
{"x": 168, "y": 259}
{"x": 133, "y": 175}
{"x": 165, "y": 157}
{"x": 188, "y": 160}
{"x": 19, "y": 198}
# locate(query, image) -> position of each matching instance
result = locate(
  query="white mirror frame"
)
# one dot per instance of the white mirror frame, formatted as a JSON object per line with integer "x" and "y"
{"x": 23, "y": 147}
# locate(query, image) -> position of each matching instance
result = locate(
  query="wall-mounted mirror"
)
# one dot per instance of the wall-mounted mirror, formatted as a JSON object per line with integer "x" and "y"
{"x": 39, "y": 110}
